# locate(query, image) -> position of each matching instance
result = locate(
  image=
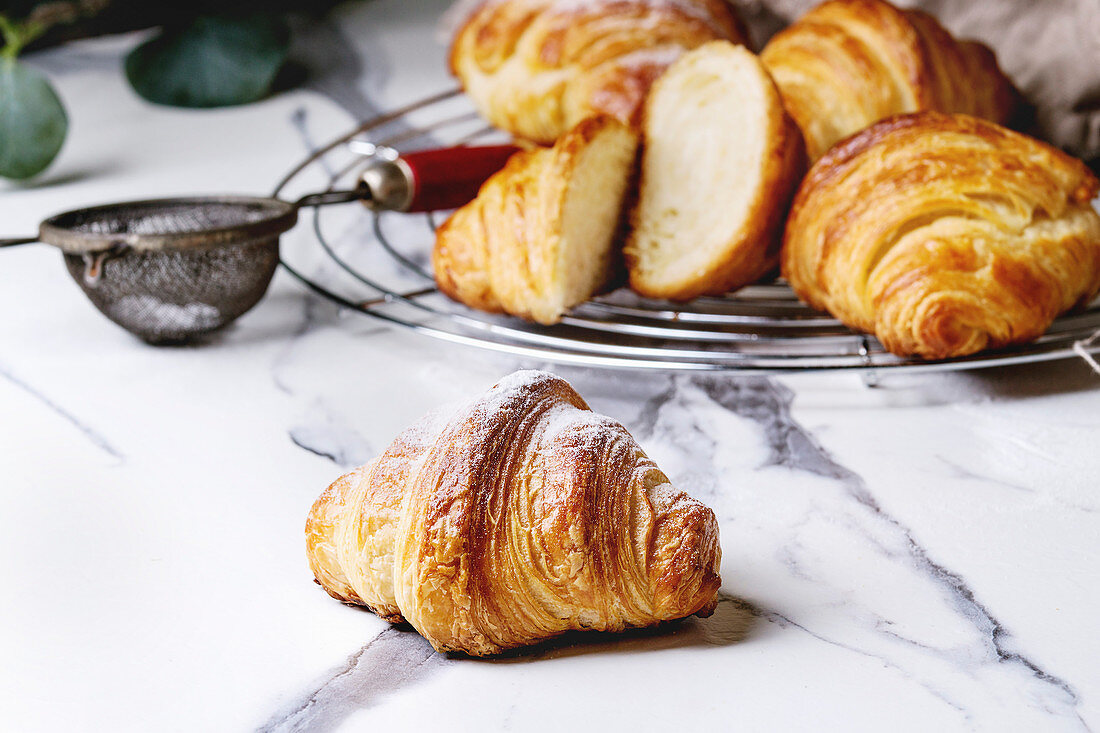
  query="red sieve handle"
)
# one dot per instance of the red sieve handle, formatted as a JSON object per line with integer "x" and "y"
{"x": 451, "y": 177}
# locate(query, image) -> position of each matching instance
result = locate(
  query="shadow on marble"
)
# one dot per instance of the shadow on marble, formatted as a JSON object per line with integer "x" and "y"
{"x": 1021, "y": 381}
{"x": 1065, "y": 376}
{"x": 730, "y": 624}
{"x": 622, "y": 394}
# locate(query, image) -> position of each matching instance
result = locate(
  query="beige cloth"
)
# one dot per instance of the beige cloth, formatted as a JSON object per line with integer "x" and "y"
{"x": 1049, "y": 48}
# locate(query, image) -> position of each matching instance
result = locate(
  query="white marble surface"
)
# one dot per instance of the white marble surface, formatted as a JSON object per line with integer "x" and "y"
{"x": 920, "y": 556}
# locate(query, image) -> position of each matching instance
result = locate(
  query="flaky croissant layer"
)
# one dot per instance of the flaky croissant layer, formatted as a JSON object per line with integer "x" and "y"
{"x": 540, "y": 236}
{"x": 944, "y": 235}
{"x": 513, "y": 519}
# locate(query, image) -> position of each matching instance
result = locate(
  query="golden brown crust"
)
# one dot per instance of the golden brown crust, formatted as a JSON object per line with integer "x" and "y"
{"x": 465, "y": 243}
{"x": 849, "y": 63}
{"x": 538, "y": 67}
{"x": 748, "y": 248}
{"x": 523, "y": 515}
{"x": 502, "y": 251}
{"x": 944, "y": 235}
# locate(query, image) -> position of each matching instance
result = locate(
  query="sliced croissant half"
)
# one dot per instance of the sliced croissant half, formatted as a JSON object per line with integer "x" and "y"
{"x": 720, "y": 164}
{"x": 539, "y": 238}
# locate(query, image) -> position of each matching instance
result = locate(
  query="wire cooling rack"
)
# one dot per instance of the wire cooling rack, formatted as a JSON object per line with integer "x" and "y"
{"x": 377, "y": 264}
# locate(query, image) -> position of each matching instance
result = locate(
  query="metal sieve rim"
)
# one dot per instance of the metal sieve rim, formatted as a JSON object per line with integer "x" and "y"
{"x": 59, "y": 229}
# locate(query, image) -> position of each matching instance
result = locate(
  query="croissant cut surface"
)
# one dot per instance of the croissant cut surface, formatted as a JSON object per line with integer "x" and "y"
{"x": 515, "y": 518}
{"x": 944, "y": 235}
{"x": 539, "y": 238}
{"x": 538, "y": 67}
{"x": 720, "y": 163}
{"x": 849, "y": 63}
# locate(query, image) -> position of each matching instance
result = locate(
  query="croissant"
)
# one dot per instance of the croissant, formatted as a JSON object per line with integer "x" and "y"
{"x": 944, "y": 235}
{"x": 849, "y": 63}
{"x": 720, "y": 163}
{"x": 538, "y": 67}
{"x": 538, "y": 239}
{"x": 517, "y": 517}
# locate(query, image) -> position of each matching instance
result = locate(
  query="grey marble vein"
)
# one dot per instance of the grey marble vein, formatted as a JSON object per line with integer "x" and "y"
{"x": 783, "y": 622}
{"x": 326, "y": 433}
{"x": 285, "y": 355}
{"x": 94, "y": 436}
{"x": 389, "y": 662}
{"x": 768, "y": 403}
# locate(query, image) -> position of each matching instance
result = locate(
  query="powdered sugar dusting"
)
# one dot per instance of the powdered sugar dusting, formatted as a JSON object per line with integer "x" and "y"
{"x": 169, "y": 316}
{"x": 509, "y": 392}
{"x": 524, "y": 379}
{"x": 584, "y": 424}
{"x": 507, "y": 396}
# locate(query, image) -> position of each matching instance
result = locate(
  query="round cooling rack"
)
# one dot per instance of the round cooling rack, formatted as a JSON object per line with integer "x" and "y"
{"x": 378, "y": 264}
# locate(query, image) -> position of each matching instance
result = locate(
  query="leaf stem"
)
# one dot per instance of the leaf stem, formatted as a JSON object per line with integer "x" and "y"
{"x": 17, "y": 35}
{"x": 10, "y": 35}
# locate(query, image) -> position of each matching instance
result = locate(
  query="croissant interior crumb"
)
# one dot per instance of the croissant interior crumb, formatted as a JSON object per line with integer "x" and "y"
{"x": 590, "y": 214}
{"x": 719, "y": 162}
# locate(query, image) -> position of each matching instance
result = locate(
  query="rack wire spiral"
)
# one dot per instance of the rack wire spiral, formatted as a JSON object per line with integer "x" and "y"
{"x": 376, "y": 264}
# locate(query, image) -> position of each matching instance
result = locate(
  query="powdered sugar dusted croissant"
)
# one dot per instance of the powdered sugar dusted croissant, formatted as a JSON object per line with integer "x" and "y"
{"x": 517, "y": 517}
{"x": 538, "y": 67}
{"x": 944, "y": 235}
{"x": 849, "y": 63}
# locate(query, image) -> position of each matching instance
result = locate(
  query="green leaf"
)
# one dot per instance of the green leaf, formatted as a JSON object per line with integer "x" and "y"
{"x": 212, "y": 61}
{"x": 33, "y": 122}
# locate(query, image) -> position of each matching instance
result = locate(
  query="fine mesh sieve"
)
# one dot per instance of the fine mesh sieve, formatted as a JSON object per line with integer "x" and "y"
{"x": 173, "y": 269}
